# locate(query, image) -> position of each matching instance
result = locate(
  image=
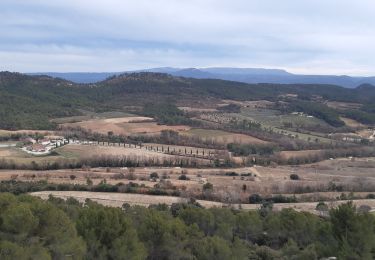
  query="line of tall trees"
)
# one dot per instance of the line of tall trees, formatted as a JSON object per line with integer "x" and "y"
{"x": 106, "y": 161}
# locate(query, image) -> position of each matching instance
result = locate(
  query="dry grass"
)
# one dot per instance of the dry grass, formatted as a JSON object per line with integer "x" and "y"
{"x": 351, "y": 122}
{"x": 125, "y": 126}
{"x": 295, "y": 154}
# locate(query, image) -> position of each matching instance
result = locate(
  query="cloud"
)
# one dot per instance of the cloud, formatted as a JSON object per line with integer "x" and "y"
{"x": 80, "y": 35}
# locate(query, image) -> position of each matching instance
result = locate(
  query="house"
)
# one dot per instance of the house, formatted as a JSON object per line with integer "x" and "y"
{"x": 37, "y": 148}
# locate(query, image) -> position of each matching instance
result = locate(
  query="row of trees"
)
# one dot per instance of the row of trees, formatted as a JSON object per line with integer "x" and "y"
{"x": 57, "y": 229}
{"x": 107, "y": 161}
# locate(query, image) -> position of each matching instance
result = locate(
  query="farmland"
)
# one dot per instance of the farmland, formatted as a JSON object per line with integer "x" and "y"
{"x": 118, "y": 200}
{"x": 124, "y": 126}
{"x": 313, "y": 184}
{"x": 223, "y": 137}
{"x": 242, "y": 147}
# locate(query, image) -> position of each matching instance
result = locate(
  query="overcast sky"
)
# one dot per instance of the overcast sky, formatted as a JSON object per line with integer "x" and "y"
{"x": 301, "y": 36}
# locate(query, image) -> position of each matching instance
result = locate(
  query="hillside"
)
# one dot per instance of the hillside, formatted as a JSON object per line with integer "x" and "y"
{"x": 30, "y": 101}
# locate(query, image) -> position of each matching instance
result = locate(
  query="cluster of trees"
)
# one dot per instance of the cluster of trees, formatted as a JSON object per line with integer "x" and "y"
{"x": 363, "y": 117}
{"x": 29, "y": 102}
{"x": 245, "y": 125}
{"x": 58, "y": 229}
{"x": 251, "y": 149}
{"x": 230, "y": 108}
{"x": 166, "y": 113}
{"x": 19, "y": 136}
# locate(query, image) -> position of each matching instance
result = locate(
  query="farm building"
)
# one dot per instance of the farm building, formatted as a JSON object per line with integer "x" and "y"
{"x": 37, "y": 148}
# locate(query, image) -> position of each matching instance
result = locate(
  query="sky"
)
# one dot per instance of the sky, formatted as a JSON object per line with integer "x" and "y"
{"x": 301, "y": 36}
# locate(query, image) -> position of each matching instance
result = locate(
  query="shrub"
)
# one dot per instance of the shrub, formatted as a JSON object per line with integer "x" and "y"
{"x": 294, "y": 177}
{"x": 255, "y": 199}
{"x": 231, "y": 174}
{"x": 154, "y": 175}
{"x": 183, "y": 177}
{"x": 208, "y": 186}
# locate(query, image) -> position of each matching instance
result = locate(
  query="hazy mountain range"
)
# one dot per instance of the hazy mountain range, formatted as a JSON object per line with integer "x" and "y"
{"x": 247, "y": 75}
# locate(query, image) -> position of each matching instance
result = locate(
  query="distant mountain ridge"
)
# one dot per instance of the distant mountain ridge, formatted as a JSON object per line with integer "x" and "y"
{"x": 246, "y": 75}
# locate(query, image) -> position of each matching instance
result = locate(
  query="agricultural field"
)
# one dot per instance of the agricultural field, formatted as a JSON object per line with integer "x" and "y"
{"x": 87, "y": 151}
{"x": 223, "y": 136}
{"x": 228, "y": 184}
{"x": 125, "y": 126}
{"x": 87, "y": 115}
{"x": 352, "y": 123}
{"x": 343, "y": 105}
{"x": 272, "y": 119}
{"x": 117, "y": 200}
{"x": 293, "y": 154}
{"x": 275, "y": 118}
{"x": 356, "y": 176}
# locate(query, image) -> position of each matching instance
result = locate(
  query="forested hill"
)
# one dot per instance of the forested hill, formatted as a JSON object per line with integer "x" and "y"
{"x": 30, "y": 101}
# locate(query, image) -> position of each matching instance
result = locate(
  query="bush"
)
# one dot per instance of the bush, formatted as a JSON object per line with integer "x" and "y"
{"x": 294, "y": 177}
{"x": 208, "y": 186}
{"x": 183, "y": 177}
{"x": 255, "y": 199}
{"x": 231, "y": 174}
{"x": 154, "y": 175}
